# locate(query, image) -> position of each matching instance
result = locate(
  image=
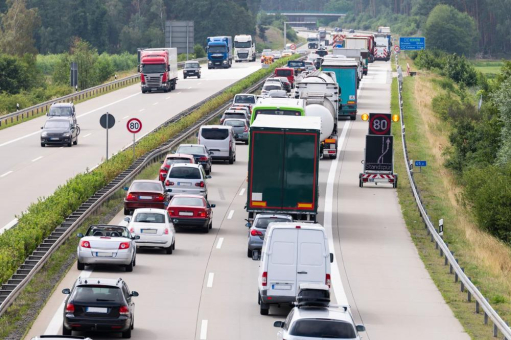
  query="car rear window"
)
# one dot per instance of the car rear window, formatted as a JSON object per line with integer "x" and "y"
{"x": 108, "y": 231}
{"x": 244, "y": 99}
{"x": 192, "y": 150}
{"x": 184, "y": 173}
{"x": 146, "y": 186}
{"x": 55, "y": 124}
{"x": 150, "y": 218}
{"x": 284, "y": 73}
{"x": 237, "y": 123}
{"x": 295, "y": 63}
{"x": 98, "y": 294}
{"x": 271, "y": 87}
{"x": 214, "y": 133}
{"x": 187, "y": 201}
{"x": 316, "y": 328}
{"x": 235, "y": 116}
{"x": 262, "y": 223}
{"x": 176, "y": 160}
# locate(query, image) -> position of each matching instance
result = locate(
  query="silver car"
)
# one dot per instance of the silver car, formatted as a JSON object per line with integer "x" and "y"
{"x": 187, "y": 179}
{"x": 270, "y": 86}
{"x": 240, "y": 128}
{"x": 107, "y": 244}
{"x": 258, "y": 229}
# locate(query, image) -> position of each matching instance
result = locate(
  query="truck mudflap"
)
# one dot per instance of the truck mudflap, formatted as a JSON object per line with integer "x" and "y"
{"x": 377, "y": 178}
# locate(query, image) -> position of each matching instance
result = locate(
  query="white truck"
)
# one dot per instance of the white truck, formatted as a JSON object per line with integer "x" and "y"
{"x": 382, "y": 49}
{"x": 244, "y": 48}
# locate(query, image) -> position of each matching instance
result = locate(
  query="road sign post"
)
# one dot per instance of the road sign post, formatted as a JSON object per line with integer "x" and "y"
{"x": 134, "y": 125}
{"x": 397, "y": 49}
{"x": 107, "y": 121}
{"x": 420, "y": 164}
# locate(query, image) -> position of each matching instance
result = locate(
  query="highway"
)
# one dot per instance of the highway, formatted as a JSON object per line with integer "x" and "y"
{"x": 31, "y": 171}
{"x": 207, "y": 288}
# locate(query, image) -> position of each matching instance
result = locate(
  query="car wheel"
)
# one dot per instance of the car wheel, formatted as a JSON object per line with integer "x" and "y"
{"x": 249, "y": 253}
{"x": 135, "y": 261}
{"x": 43, "y": 145}
{"x": 198, "y": 76}
{"x": 66, "y": 331}
{"x": 353, "y": 117}
{"x": 333, "y": 156}
{"x": 79, "y": 265}
{"x": 211, "y": 225}
{"x": 132, "y": 323}
{"x": 126, "y": 211}
{"x": 264, "y": 308}
{"x": 360, "y": 183}
{"x": 184, "y": 77}
{"x": 231, "y": 159}
{"x": 206, "y": 229}
{"x": 174, "y": 245}
{"x": 70, "y": 144}
{"x": 169, "y": 249}
{"x": 76, "y": 141}
{"x": 129, "y": 267}
{"x": 126, "y": 334}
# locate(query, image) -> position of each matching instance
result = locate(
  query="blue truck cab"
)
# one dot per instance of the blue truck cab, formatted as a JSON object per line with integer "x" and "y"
{"x": 346, "y": 75}
{"x": 220, "y": 52}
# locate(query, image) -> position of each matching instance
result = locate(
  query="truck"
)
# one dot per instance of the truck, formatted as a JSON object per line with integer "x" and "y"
{"x": 158, "y": 69}
{"x": 220, "y": 52}
{"x": 338, "y": 40}
{"x": 283, "y": 166}
{"x": 383, "y": 29}
{"x": 347, "y": 78}
{"x": 356, "y": 53}
{"x": 313, "y": 41}
{"x": 322, "y": 33}
{"x": 370, "y": 46}
{"x": 360, "y": 69}
{"x": 244, "y": 48}
{"x": 382, "y": 49}
{"x": 359, "y": 43}
{"x": 278, "y": 107}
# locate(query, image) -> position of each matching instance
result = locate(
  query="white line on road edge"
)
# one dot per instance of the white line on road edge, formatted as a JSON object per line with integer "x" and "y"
{"x": 242, "y": 192}
{"x": 36, "y": 159}
{"x": 230, "y": 214}
{"x": 141, "y": 110}
{"x": 211, "y": 276}
{"x": 7, "y": 173}
{"x": 9, "y": 226}
{"x": 219, "y": 244}
{"x": 55, "y": 324}
{"x": 204, "y": 330}
{"x": 155, "y": 103}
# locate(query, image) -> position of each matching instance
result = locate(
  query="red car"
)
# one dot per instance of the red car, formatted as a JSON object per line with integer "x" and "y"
{"x": 144, "y": 194}
{"x": 191, "y": 211}
{"x": 173, "y": 158}
{"x": 287, "y": 72}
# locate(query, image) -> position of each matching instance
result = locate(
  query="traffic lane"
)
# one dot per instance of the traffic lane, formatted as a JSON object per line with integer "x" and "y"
{"x": 169, "y": 285}
{"x": 378, "y": 261}
{"x": 55, "y": 165}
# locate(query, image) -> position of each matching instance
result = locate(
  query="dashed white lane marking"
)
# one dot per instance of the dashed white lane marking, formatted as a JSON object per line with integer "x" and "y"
{"x": 168, "y": 97}
{"x": 125, "y": 117}
{"x": 6, "y": 174}
{"x": 230, "y": 214}
{"x": 155, "y": 103}
{"x": 87, "y": 135}
{"x": 242, "y": 192}
{"x": 178, "y": 92}
{"x": 219, "y": 244}
{"x": 199, "y": 83}
{"x": 141, "y": 110}
{"x": 204, "y": 330}
{"x": 189, "y": 87}
{"x": 36, "y": 159}
{"x": 211, "y": 276}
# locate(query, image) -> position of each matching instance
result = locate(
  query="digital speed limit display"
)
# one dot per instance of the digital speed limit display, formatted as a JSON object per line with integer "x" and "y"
{"x": 379, "y": 123}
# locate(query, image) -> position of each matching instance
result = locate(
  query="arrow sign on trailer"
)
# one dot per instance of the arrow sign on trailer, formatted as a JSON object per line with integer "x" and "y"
{"x": 379, "y": 153}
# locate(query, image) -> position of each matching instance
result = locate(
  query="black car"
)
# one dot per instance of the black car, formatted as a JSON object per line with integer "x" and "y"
{"x": 61, "y": 131}
{"x": 200, "y": 154}
{"x": 191, "y": 69}
{"x": 99, "y": 305}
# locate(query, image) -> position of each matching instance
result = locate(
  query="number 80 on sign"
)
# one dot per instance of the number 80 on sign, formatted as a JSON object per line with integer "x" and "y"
{"x": 134, "y": 125}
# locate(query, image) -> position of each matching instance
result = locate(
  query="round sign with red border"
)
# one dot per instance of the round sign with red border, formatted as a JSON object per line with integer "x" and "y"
{"x": 397, "y": 49}
{"x": 379, "y": 124}
{"x": 134, "y": 125}
{"x": 293, "y": 47}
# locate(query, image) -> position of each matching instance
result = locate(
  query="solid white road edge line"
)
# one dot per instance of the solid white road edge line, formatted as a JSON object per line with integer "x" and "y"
{"x": 211, "y": 276}
{"x": 230, "y": 214}
{"x": 6, "y": 174}
{"x": 219, "y": 244}
{"x": 36, "y": 159}
{"x": 155, "y": 103}
{"x": 204, "y": 330}
{"x": 9, "y": 226}
{"x": 242, "y": 192}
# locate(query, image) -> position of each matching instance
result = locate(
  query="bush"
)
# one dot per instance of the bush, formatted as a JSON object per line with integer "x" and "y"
{"x": 199, "y": 52}
{"x": 430, "y": 59}
{"x": 460, "y": 70}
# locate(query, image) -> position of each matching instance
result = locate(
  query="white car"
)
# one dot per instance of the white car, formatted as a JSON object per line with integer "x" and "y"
{"x": 107, "y": 244}
{"x": 187, "y": 179}
{"x": 318, "y": 323}
{"x": 154, "y": 228}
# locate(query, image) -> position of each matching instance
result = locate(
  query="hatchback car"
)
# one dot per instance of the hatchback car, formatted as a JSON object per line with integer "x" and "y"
{"x": 99, "y": 305}
{"x": 270, "y": 86}
{"x": 173, "y": 159}
{"x": 258, "y": 229}
{"x": 277, "y": 55}
{"x": 245, "y": 108}
{"x": 240, "y": 128}
{"x": 191, "y": 211}
{"x": 59, "y": 131}
{"x": 154, "y": 228}
{"x": 187, "y": 179}
{"x": 277, "y": 94}
{"x": 144, "y": 193}
{"x": 244, "y": 99}
{"x": 234, "y": 114}
{"x": 200, "y": 154}
{"x": 191, "y": 69}
{"x": 107, "y": 244}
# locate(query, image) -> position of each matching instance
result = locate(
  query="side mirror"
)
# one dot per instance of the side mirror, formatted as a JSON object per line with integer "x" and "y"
{"x": 125, "y": 188}
{"x": 162, "y": 162}
{"x": 66, "y": 291}
{"x": 135, "y": 237}
{"x": 134, "y": 293}
{"x": 248, "y": 224}
{"x": 278, "y": 324}
{"x": 331, "y": 258}
{"x": 256, "y": 256}
{"x": 168, "y": 190}
{"x": 361, "y": 328}
{"x": 127, "y": 219}
{"x": 208, "y": 177}
{"x": 213, "y": 205}
{"x": 41, "y": 127}
{"x": 79, "y": 235}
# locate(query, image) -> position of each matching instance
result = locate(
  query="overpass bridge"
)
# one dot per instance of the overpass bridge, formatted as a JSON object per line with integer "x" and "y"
{"x": 307, "y": 15}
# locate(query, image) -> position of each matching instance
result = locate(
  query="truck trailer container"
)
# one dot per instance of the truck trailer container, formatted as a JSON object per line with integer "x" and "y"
{"x": 158, "y": 69}
{"x": 346, "y": 75}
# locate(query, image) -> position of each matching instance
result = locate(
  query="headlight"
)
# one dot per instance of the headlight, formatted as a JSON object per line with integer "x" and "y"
{"x": 44, "y": 134}
{"x": 225, "y": 61}
{"x": 67, "y": 134}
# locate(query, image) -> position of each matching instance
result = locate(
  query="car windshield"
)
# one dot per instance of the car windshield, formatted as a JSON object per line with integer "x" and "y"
{"x": 146, "y": 186}
{"x": 244, "y": 99}
{"x": 214, "y": 133}
{"x": 184, "y": 173}
{"x": 98, "y": 294}
{"x": 187, "y": 201}
{"x": 60, "y": 111}
{"x": 242, "y": 44}
{"x": 52, "y": 124}
{"x": 295, "y": 63}
{"x": 236, "y": 123}
{"x": 152, "y": 68}
{"x": 150, "y": 218}
{"x": 191, "y": 65}
{"x": 171, "y": 161}
{"x": 284, "y": 73}
{"x": 217, "y": 49}
{"x": 271, "y": 87}
{"x": 317, "y": 328}
{"x": 191, "y": 150}
{"x": 114, "y": 231}
{"x": 262, "y": 223}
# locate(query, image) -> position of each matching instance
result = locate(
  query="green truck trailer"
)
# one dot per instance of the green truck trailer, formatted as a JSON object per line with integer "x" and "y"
{"x": 283, "y": 166}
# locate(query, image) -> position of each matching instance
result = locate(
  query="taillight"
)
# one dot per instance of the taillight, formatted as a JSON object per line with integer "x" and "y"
{"x": 124, "y": 310}
{"x": 201, "y": 214}
{"x": 124, "y": 245}
{"x": 254, "y": 232}
{"x": 222, "y": 121}
{"x": 160, "y": 198}
{"x": 201, "y": 184}
{"x": 131, "y": 197}
{"x": 85, "y": 244}
{"x": 132, "y": 230}
{"x": 264, "y": 280}
{"x": 328, "y": 281}
{"x": 167, "y": 183}
{"x": 171, "y": 212}
{"x": 203, "y": 159}
{"x": 164, "y": 170}
{"x": 70, "y": 308}
{"x": 166, "y": 232}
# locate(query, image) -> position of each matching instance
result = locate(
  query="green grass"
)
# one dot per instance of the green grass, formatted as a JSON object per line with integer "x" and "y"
{"x": 488, "y": 67}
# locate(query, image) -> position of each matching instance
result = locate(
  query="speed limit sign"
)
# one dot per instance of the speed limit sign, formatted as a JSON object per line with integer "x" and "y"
{"x": 397, "y": 49}
{"x": 379, "y": 123}
{"x": 293, "y": 47}
{"x": 134, "y": 125}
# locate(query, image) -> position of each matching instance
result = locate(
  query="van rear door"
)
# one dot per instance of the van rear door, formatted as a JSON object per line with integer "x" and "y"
{"x": 282, "y": 255}
{"x": 312, "y": 257}
{"x": 216, "y": 139}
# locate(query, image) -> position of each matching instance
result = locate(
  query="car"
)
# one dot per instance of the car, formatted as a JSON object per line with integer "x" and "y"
{"x": 245, "y": 108}
{"x": 191, "y": 211}
{"x": 144, "y": 193}
{"x": 270, "y": 86}
{"x": 99, "y": 305}
{"x": 235, "y": 114}
{"x": 286, "y": 83}
{"x": 310, "y": 68}
{"x": 200, "y": 154}
{"x": 277, "y": 94}
{"x": 60, "y": 337}
{"x": 245, "y": 99}
{"x": 240, "y": 128}
{"x": 352, "y": 31}
{"x": 274, "y": 80}
{"x": 297, "y": 65}
{"x": 321, "y": 52}
{"x": 258, "y": 229}
{"x": 287, "y": 72}
{"x": 59, "y": 131}
{"x": 277, "y": 55}
{"x": 62, "y": 110}
{"x": 219, "y": 139}
{"x": 154, "y": 227}
{"x": 107, "y": 244}
{"x": 192, "y": 69}
{"x": 187, "y": 179}
{"x": 287, "y": 53}
{"x": 172, "y": 158}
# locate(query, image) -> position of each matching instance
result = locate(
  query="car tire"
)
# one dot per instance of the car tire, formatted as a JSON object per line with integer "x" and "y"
{"x": 70, "y": 144}
{"x": 126, "y": 334}
{"x": 79, "y": 265}
{"x": 43, "y": 145}
{"x": 76, "y": 141}
{"x": 168, "y": 250}
{"x": 66, "y": 331}
{"x": 174, "y": 245}
{"x": 198, "y": 76}
{"x": 334, "y": 156}
{"x": 129, "y": 267}
{"x": 264, "y": 308}
{"x": 135, "y": 261}
{"x": 206, "y": 230}
{"x": 249, "y": 253}
{"x": 211, "y": 225}
{"x": 231, "y": 159}
{"x": 126, "y": 211}
{"x": 353, "y": 117}
{"x": 184, "y": 77}
{"x": 360, "y": 183}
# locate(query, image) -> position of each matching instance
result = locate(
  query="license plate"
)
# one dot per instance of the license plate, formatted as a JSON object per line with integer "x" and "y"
{"x": 146, "y": 197}
{"x": 54, "y": 138}
{"x": 148, "y": 231}
{"x": 185, "y": 213}
{"x": 184, "y": 184}
{"x": 281, "y": 287}
{"x": 96, "y": 310}
{"x": 98, "y": 254}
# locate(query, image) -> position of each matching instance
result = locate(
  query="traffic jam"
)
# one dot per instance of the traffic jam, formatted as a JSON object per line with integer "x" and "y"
{"x": 289, "y": 127}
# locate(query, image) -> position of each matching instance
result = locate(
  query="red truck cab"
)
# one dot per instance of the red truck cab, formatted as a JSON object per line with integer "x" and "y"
{"x": 287, "y": 72}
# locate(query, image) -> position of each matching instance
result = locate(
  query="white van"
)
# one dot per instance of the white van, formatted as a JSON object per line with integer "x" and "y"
{"x": 219, "y": 139}
{"x": 293, "y": 253}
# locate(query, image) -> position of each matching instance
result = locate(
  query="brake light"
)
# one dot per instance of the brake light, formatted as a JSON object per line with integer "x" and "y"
{"x": 164, "y": 169}
{"x": 171, "y": 212}
{"x": 166, "y": 232}
{"x": 124, "y": 310}
{"x": 85, "y": 244}
{"x": 70, "y": 308}
{"x": 264, "y": 278}
{"x": 201, "y": 184}
{"x": 131, "y": 197}
{"x": 160, "y": 198}
{"x": 254, "y": 232}
{"x": 167, "y": 183}
{"x": 328, "y": 281}
{"x": 132, "y": 230}
{"x": 124, "y": 245}
{"x": 203, "y": 159}
{"x": 246, "y": 129}
{"x": 201, "y": 214}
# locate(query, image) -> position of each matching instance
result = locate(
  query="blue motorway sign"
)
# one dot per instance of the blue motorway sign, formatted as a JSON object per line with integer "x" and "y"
{"x": 412, "y": 43}
{"x": 421, "y": 163}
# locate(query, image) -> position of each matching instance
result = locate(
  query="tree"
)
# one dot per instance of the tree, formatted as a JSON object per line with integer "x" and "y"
{"x": 17, "y": 29}
{"x": 199, "y": 52}
{"x": 502, "y": 99}
{"x": 450, "y": 30}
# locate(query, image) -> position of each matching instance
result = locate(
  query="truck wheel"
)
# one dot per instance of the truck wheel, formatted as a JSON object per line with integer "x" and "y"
{"x": 198, "y": 77}
{"x": 360, "y": 183}
{"x": 43, "y": 145}
{"x": 173, "y": 86}
{"x": 353, "y": 117}
{"x": 144, "y": 91}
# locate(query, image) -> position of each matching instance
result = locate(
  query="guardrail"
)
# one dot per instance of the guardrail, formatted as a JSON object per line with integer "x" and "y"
{"x": 466, "y": 284}
{"x": 42, "y": 108}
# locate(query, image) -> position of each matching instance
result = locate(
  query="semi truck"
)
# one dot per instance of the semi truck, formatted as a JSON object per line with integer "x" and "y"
{"x": 347, "y": 79}
{"x": 220, "y": 52}
{"x": 158, "y": 69}
{"x": 322, "y": 34}
{"x": 313, "y": 41}
{"x": 356, "y": 53}
{"x": 360, "y": 43}
{"x": 382, "y": 49}
{"x": 370, "y": 45}
{"x": 283, "y": 166}
{"x": 244, "y": 48}
{"x": 384, "y": 29}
